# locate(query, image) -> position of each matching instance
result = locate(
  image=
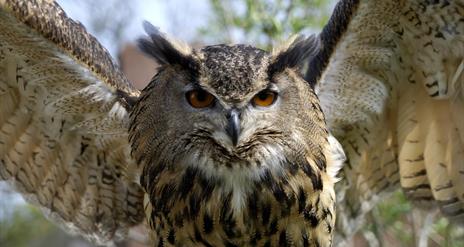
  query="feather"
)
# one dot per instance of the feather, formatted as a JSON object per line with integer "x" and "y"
{"x": 168, "y": 51}
{"x": 293, "y": 53}
{"x": 58, "y": 88}
{"x": 391, "y": 88}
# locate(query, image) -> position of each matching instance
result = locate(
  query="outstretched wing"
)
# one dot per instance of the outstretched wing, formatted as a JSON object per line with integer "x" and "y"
{"x": 63, "y": 120}
{"x": 389, "y": 78}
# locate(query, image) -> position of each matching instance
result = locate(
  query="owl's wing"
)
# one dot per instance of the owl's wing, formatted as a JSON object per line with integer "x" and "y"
{"x": 389, "y": 78}
{"x": 63, "y": 120}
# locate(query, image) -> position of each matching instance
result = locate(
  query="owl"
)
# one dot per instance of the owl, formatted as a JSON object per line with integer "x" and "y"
{"x": 231, "y": 145}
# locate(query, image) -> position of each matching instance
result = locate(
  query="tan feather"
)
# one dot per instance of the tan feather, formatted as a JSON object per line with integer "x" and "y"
{"x": 454, "y": 160}
{"x": 57, "y": 89}
{"x": 392, "y": 92}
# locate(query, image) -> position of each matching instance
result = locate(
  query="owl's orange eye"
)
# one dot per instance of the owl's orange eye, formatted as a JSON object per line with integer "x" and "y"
{"x": 199, "y": 98}
{"x": 265, "y": 98}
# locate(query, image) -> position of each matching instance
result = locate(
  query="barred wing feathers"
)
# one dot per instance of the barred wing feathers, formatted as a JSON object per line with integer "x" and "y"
{"x": 63, "y": 121}
{"x": 389, "y": 78}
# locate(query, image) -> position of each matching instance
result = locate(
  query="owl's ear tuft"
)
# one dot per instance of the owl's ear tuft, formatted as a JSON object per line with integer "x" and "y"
{"x": 293, "y": 53}
{"x": 166, "y": 51}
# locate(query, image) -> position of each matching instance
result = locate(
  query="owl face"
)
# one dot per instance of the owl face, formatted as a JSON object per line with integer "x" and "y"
{"x": 226, "y": 109}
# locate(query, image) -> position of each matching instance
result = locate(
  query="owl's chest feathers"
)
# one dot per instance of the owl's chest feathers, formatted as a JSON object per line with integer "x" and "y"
{"x": 194, "y": 208}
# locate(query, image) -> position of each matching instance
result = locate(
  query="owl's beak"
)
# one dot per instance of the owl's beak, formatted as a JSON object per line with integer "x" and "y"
{"x": 233, "y": 125}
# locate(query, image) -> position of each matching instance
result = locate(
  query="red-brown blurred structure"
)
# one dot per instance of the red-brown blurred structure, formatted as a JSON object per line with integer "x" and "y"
{"x": 138, "y": 68}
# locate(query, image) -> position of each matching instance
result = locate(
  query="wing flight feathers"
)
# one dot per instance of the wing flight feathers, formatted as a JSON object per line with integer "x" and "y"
{"x": 63, "y": 123}
{"x": 392, "y": 92}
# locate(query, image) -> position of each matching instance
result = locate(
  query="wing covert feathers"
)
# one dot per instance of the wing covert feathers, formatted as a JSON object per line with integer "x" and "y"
{"x": 63, "y": 137}
{"x": 48, "y": 20}
{"x": 392, "y": 93}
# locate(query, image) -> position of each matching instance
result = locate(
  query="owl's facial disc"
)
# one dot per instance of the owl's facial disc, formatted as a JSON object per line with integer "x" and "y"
{"x": 263, "y": 99}
{"x": 223, "y": 105}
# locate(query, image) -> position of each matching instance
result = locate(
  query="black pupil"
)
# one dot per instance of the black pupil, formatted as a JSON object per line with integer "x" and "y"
{"x": 202, "y": 95}
{"x": 264, "y": 95}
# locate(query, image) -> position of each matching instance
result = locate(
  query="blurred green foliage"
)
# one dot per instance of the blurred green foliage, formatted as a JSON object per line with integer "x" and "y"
{"x": 393, "y": 223}
{"x": 264, "y": 21}
{"x": 23, "y": 224}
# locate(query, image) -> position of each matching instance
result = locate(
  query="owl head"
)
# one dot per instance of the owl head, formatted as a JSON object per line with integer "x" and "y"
{"x": 233, "y": 112}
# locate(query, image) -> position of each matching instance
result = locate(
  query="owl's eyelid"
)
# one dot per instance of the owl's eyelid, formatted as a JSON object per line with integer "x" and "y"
{"x": 272, "y": 87}
{"x": 193, "y": 86}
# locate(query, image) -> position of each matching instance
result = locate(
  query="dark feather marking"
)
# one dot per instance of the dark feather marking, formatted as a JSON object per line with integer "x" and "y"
{"x": 292, "y": 168}
{"x": 194, "y": 205}
{"x": 207, "y": 187}
{"x": 126, "y": 100}
{"x": 266, "y": 213}
{"x": 148, "y": 181}
{"x": 416, "y": 187}
{"x": 171, "y": 237}
{"x": 444, "y": 186}
{"x": 283, "y": 239}
{"x": 274, "y": 186}
{"x": 255, "y": 238}
{"x": 161, "y": 202}
{"x": 199, "y": 238}
{"x": 273, "y": 227}
{"x": 160, "y": 242}
{"x": 446, "y": 202}
{"x": 418, "y": 159}
{"x": 187, "y": 182}
{"x": 226, "y": 218}
{"x": 253, "y": 205}
{"x": 279, "y": 193}
{"x": 315, "y": 177}
{"x": 311, "y": 217}
{"x": 422, "y": 172}
{"x": 421, "y": 198}
{"x": 305, "y": 240}
{"x": 229, "y": 244}
{"x": 301, "y": 199}
{"x": 330, "y": 36}
{"x": 107, "y": 177}
{"x": 435, "y": 94}
{"x": 287, "y": 206}
{"x": 83, "y": 147}
{"x": 207, "y": 223}
{"x": 179, "y": 220}
{"x": 320, "y": 162}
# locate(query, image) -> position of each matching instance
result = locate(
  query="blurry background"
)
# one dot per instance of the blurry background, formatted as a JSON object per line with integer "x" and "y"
{"x": 118, "y": 23}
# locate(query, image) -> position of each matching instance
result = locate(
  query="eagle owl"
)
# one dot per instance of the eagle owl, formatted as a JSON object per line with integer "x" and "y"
{"x": 231, "y": 145}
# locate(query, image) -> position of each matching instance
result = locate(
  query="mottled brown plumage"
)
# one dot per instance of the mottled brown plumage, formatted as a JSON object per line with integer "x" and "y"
{"x": 385, "y": 77}
{"x": 63, "y": 138}
{"x": 392, "y": 93}
{"x": 274, "y": 187}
